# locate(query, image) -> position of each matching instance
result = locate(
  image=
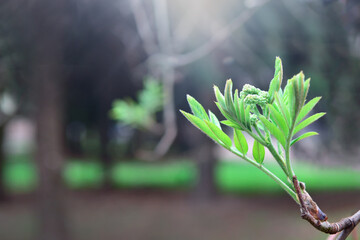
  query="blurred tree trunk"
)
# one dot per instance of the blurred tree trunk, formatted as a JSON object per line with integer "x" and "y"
{"x": 2, "y": 164}
{"x": 104, "y": 105}
{"x": 47, "y": 24}
{"x": 206, "y": 163}
{"x": 49, "y": 153}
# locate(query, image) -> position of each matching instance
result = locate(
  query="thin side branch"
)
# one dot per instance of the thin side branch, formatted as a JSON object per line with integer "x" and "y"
{"x": 345, "y": 225}
{"x": 167, "y": 76}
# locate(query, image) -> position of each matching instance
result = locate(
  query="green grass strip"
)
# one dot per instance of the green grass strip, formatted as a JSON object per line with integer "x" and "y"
{"x": 20, "y": 176}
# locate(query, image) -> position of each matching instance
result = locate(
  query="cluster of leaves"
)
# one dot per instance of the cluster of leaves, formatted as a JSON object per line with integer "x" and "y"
{"x": 273, "y": 118}
{"x": 140, "y": 114}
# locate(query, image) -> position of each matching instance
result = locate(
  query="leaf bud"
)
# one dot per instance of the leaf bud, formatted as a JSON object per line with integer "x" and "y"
{"x": 261, "y": 99}
{"x": 253, "y": 119}
{"x": 248, "y": 89}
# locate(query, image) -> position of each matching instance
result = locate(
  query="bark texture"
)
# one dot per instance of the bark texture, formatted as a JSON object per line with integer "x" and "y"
{"x": 345, "y": 226}
{"x": 48, "y": 22}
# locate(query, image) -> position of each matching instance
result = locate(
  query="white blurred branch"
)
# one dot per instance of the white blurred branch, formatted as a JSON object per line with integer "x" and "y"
{"x": 214, "y": 42}
{"x": 143, "y": 26}
{"x": 167, "y": 76}
{"x": 217, "y": 39}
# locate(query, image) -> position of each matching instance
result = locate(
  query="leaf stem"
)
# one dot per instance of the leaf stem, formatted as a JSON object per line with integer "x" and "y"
{"x": 278, "y": 159}
{"x": 267, "y": 172}
{"x": 257, "y": 138}
{"x": 261, "y": 135}
{"x": 272, "y": 150}
{"x": 287, "y": 149}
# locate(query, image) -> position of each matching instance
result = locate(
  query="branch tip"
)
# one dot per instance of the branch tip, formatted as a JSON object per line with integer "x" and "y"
{"x": 309, "y": 210}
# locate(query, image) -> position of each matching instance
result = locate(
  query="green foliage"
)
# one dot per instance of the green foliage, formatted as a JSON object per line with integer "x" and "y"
{"x": 197, "y": 108}
{"x": 220, "y": 135}
{"x": 151, "y": 97}
{"x": 240, "y": 141}
{"x": 140, "y": 114}
{"x": 266, "y": 116}
{"x": 197, "y": 122}
{"x": 258, "y": 152}
{"x": 305, "y": 135}
{"x": 275, "y": 83}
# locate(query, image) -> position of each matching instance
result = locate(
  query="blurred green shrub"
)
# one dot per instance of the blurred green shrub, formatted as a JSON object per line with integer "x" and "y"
{"x": 140, "y": 114}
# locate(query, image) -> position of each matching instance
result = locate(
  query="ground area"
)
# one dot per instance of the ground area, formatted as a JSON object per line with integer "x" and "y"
{"x": 149, "y": 215}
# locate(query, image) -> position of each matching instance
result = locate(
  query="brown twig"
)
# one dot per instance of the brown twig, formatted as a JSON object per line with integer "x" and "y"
{"x": 345, "y": 226}
{"x": 345, "y": 233}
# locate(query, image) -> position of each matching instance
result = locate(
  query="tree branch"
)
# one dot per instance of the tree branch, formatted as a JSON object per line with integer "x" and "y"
{"x": 345, "y": 225}
{"x": 167, "y": 76}
{"x": 345, "y": 233}
{"x": 218, "y": 38}
{"x": 143, "y": 27}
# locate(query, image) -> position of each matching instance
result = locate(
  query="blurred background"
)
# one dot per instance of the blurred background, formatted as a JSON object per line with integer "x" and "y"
{"x": 92, "y": 144}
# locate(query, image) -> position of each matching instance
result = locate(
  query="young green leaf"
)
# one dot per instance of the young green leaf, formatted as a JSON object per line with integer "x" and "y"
{"x": 279, "y": 119}
{"x": 280, "y": 151}
{"x": 307, "y": 108}
{"x": 197, "y": 108}
{"x": 290, "y": 94}
{"x": 229, "y": 101}
{"x": 236, "y": 104}
{"x": 247, "y": 117}
{"x": 200, "y": 124}
{"x": 273, "y": 87}
{"x": 214, "y": 119}
{"x": 275, "y": 83}
{"x": 240, "y": 141}
{"x": 258, "y": 152}
{"x": 224, "y": 112}
{"x": 287, "y": 93}
{"x": 305, "y": 135}
{"x": 231, "y": 124}
{"x": 277, "y": 108}
{"x": 283, "y": 109}
{"x": 279, "y": 68}
{"x": 299, "y": 94}
{"x": 308, "y": 121}
{"x": 306, "y": 88}
{"x": 242, "y": 111}
{"x": 219, "y": 97}
{"x": 219, "y": 134}
{"x": 276, "y": 132}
